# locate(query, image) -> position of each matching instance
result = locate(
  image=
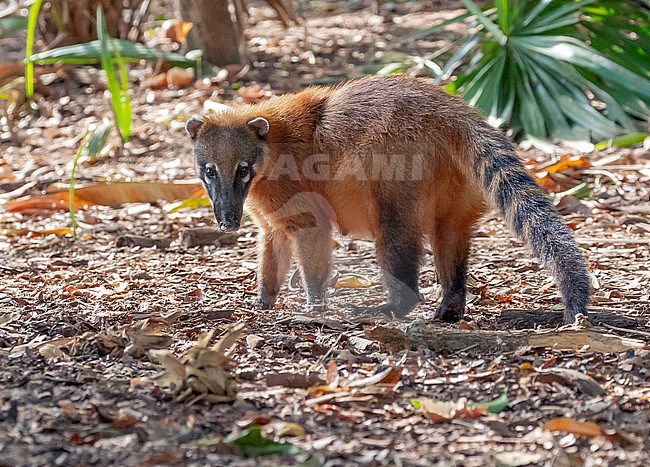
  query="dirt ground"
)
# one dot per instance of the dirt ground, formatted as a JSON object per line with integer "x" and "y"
{"x": 77, "y": 318}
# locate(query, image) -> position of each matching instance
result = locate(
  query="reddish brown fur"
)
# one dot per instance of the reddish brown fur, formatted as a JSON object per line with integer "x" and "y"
{"x": 294, "y": 130}
{"x": 350, "y": 124}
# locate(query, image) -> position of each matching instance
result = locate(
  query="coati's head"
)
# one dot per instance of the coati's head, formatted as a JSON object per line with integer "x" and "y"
{"x": 227, "y": 158}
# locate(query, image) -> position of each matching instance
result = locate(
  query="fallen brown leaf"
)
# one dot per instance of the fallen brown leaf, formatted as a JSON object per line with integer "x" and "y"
{"x": 205, "y": 372}
{"x": 180, "y": 77}
{"x": 104, "y": 194}
{"x": 442, "y": 412}
{"x": 586, "y": 429}
{"x": 176, "y": 29}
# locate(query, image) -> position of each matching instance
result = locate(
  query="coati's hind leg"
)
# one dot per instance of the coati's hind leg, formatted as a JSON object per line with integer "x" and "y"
{"x": 450, "y": 241}
{"x": 399, "y": 247}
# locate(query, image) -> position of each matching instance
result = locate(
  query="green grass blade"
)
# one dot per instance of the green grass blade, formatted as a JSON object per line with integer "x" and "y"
{"x": 98, "y": 139}
{"x": 623, "y": 141}
{"x": 498, "y": 405}
{"x": 90, "y": 53}
{"x": 32, "y": 19}
{"x": 503, "y": 15}
{"x": 119, "y": 91}
{"x": 73, "y": 180}
{"x": 125, "y": 101}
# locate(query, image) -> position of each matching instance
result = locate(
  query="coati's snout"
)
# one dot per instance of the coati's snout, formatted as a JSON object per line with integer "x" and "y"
{"x": 227, "y": 203}
{"x": 226, "y": 159}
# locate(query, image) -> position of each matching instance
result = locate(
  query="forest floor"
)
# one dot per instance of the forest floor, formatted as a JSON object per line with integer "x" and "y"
{"x": 78, "y": 318}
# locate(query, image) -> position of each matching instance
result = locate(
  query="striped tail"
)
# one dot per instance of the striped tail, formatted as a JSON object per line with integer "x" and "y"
{"x": 535, "y": 221}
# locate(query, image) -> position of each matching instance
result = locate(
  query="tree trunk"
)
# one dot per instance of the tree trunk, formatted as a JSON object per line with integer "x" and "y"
{"x": 217, "y": 31}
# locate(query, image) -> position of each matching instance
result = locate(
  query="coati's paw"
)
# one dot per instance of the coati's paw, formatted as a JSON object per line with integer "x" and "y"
{"x": 450, "y": 312}
{"x": 447, "y": 315}
{"x": 266, "y": 303}
{"x": 452, "y": 308}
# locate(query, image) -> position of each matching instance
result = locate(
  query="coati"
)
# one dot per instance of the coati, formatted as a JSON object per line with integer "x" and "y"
{"x": 390, "y": 157}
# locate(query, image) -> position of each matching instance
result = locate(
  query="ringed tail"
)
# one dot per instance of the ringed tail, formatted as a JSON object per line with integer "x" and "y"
{"x": 534, "y": 219}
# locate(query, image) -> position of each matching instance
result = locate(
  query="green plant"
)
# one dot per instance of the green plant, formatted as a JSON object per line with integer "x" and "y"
{"x": 4, "y": 91}
{"x": 12, "y": 23}
{"x": 92, "y": 142}
{"x": 118, "y": 85}
{"x": 551, "y": 68}
{"x": 32, "y": 18}
{"x": 98, "y": 140}
{"x": 73, "y": 180}
{"x": 392, "y": 63}
{"x": 111, "y": 54}
{"x": 625, "y": 141}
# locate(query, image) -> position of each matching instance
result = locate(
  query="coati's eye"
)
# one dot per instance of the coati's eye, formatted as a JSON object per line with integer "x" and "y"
{"x": 244, "y": 171}
{"x": 210, "y": 172}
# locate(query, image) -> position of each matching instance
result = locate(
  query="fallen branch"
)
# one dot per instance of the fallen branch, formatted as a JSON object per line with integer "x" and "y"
{"x": 532, "y": 319}
{"x": 442, "y": 339}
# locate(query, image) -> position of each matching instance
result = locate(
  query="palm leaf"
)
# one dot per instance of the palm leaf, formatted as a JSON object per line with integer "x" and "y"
{"x": 571, "y": 50}
{"x": 532, "y": 68}
{"x": 499, "y": 36}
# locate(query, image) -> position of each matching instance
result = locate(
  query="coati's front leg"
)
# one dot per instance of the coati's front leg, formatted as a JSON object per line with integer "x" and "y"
{"x": 313, "y": 250}
{"x": 275, "y": 259}
{"x": 399, "y": 249}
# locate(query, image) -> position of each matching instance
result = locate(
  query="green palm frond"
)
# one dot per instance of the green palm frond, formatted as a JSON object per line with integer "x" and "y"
{"x": 566, "y": 69}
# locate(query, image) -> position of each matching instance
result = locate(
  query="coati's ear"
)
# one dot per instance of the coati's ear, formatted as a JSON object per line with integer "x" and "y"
{"x": 193, "y": 126}
{"x": 259, "y": 125}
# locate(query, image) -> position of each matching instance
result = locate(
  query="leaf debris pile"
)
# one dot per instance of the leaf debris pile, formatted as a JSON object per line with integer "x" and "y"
{"x": 204, "y": 373}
